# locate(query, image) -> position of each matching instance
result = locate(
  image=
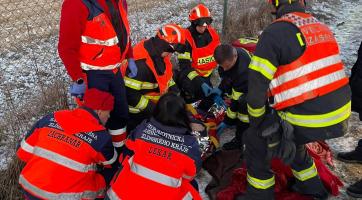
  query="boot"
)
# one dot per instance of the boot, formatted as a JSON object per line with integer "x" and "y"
{"x": 355, "y": 190}
{"x": 235, "y": 143}
{"x": 351, "y": 157}
{"x": 312, "y": 187}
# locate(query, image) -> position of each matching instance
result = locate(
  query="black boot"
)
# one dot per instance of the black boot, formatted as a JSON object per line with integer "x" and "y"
{"x": 355, "y": 190}
{"x": 235, "y": 143}
{"x": 312, "y": 187}
{"x": 351, "y": 157}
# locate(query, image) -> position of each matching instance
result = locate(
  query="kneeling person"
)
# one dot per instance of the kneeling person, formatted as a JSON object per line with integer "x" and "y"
{"x": 233, "y": 70}
{"x": 65, "y": 152}
{"x": 165, "y": 156}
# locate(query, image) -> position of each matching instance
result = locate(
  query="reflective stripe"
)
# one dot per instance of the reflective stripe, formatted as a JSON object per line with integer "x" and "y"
{"x": 263, "y": 66}
{"x": 118, "y": 131}
{"x": 142, "y": 104}
{"x": 192, "y": 75}
{"x": 187, "y": 177}
{"x": 153, "y": 97}
{"x": 112, "y": 195}
{"x": 304, "y": 70}
{"x": 257, "y": 112}
{"x": 315, "y": 121}
{"x": 153, "y": 175}
{"x": 300, "y": 39}
{"x": 93, "y": 67}
{"x": 65, "y": 196}
{"x": 306, "y": 174}
{"x": 188, "y": 196}
{"x": 230, "y": 114}
{"x": 139, "y": 85}
{"x": 171, "y": 83}
{"x": 112, "y": 160}
{"x": 259, "y": 183}
{"x": 109, "y": 42}
{"x": 309, "y": 86}
{"x": 118, "y": 144}
{"x": 26, "y": 146}
{"x": 244, "y": 118}
{"x": 235, "y": 95}
{"x": 63, "y": 161}
{"x": 185, "y": 56}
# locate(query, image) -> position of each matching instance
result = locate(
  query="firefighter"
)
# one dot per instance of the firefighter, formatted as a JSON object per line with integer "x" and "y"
{"x": 297, "y": 65}
{"x": 154, "y": 75}
{"x": 94, "y": 41}
{"x": 164, "y": 156}
{"x": 197, "y": 62}
{"x": 233, "y": 70}
{"x": 67, "y": 151}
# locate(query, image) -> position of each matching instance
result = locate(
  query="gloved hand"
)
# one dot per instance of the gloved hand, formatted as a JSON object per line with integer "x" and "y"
{"x": 77, "y": 89}
{"x": 219, "y": 101}
{"x": 132, "y": 68}
{"x": 208, "y": 90}
{"x": 221, "y": 127}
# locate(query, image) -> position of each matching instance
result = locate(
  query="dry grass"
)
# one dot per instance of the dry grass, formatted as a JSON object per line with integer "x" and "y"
{"x": 9, "y": 186}
{"x": 244, "y": 21}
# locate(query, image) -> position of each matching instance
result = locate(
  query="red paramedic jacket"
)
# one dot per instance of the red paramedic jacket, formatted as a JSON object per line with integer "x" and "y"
{"x": 62, "y": 153}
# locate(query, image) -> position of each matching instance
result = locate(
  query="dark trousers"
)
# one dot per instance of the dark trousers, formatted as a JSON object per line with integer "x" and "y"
{"x": 258, "y": 166}
{"x": 108, "y": 81}
{"x": 359, "y": 146}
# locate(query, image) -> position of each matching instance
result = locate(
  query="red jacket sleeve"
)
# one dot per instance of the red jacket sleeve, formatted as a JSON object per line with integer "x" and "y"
{"x": 72, "y": 22}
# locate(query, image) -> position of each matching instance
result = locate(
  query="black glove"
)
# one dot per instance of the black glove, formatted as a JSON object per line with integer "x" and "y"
{"x": 279, "y": 137}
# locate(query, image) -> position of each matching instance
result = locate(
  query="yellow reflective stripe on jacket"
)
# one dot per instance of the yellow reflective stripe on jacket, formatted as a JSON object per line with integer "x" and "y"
{"x": 263, "y": 66}
{"x": 244, "y": 118}
{"x": 259, "y": 183}
{"x": 315, "y": 121}
{"x": 231, "y": 114}
{"x": 235, "y": 95}
{"x": 153, "y": 98}
{"x": 142, "y": 104}
{"x": 306, "y": 174}
{"x": 171, "y": 83}
{"x": 257, "y": 112}
{"x": 192, "y": 75}
{"x": 185, "y": 56}
{"x": 205, "y": 73}
{"x": 139, "y": 85}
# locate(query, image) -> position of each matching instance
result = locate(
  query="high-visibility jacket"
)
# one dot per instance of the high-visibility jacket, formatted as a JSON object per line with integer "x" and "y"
{"x": 153, "y": 91}
{"x": 99, "y": 49}
{"x": 302, "y": 75}
{"x": 203, "y": 60}
{"x": 62, "y": 152}
{"x": 317, "y": 72}
{"x": 164, "y": 162}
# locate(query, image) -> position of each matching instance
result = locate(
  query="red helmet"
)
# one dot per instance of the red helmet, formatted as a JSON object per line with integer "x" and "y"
{"x": 172, "y": 33}
{"x": 199, "y": 11}
{"x": 277, "y": 3}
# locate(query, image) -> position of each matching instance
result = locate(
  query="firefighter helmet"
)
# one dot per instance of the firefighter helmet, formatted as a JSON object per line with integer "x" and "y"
{"x": 172, "y": 33}
{"x": 198, "y": 12}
